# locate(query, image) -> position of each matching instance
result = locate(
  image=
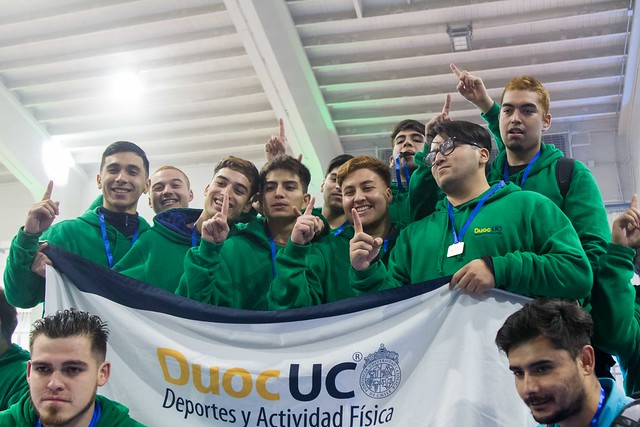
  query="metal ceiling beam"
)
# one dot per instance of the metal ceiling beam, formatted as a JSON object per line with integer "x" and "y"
{"x": 21, "y": 139}
{"x": 271, "y": 40}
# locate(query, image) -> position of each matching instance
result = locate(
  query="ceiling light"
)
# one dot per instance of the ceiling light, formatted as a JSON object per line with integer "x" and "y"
{"x": 57, "y": 161}
{"x": 460, "y": 37}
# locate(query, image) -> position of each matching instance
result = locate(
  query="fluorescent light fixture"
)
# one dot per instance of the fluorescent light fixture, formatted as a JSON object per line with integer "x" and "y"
{"x": 460, "y": 37}
{"x": 57, "y": 161}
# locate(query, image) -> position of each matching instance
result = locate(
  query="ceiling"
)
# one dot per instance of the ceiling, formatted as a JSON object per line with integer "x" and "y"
{"x": 217, "y": 74}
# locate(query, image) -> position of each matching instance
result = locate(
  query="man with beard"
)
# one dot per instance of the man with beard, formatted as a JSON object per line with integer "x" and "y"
{"x": 331, "y": 211}
{"x": 548, "y": 346}
{"x": 158, "y": 256}
{"x": 102, "y": 235}
{"x": 317, "y": 273}
{"x": 67, "y": 366}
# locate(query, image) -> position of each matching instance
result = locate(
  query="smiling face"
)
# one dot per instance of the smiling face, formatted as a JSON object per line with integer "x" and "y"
{"x": 122, "y": 180}
{"x": 407, "y": 143}
{"x": 364, "y": 190}
{"x": 522, "y": 122}
{"x": 239, "y": 193}
{"x": 281, "y": 192}
{"x": 63, "y": 376}
{"x": 169, "y": 188}
{"x": 550, "y": 381}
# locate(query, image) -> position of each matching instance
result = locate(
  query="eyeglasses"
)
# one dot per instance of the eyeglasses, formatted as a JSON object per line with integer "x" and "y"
{"x": 445, "y": 149}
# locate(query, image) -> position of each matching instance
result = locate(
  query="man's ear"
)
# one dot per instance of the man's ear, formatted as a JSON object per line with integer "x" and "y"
{"x": 190, "y": 195}
{"x": 391, "y": 162}
{"x": 28, "y": 370}
{"x": 99, "y": 181}
{"x": 322, "y": 186}
{"x": 587, "y": 360}
{"x": 546, "y": 122}
{"x": 485, "y": 155}
{"x": 206, "y": 189}
{"x": 305, "y": 201}
{"x": 104, "y": 371}
{"x": 388, "y": 195}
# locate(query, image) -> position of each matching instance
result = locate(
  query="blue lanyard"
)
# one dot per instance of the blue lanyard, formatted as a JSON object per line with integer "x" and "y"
{"x": 525, "y": 175}
{"x": 594, "y": 420}
{"x": 407, "y": 175}
{"x": 194, "y": 236}
{"x": 272, "y": 243}
{"x": 105, "y": 239}
{"x": 466, "y": 225}
{"x": 97, "y": 413}
{"x": 340, "y": 229}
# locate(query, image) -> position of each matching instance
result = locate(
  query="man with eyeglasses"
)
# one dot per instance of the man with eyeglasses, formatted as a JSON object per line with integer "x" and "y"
{"x": 485, "y": 236}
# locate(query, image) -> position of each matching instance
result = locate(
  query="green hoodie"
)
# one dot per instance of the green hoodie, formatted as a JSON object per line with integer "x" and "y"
{"x": 235, "y": 273}
{"x": 13, "y": 375}
{"x": 615, "y": 309}
{"x": 582, "y": 204}
{"x": 23, "y": 414}
{"x": 533, "y": 248}
{"x": 81, "y": 236}
{"x": 317, "y": 273}
{"x": 157, "y": 257}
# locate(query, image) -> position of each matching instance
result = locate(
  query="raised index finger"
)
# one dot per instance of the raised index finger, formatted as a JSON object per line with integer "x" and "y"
{"x": 309, "y": 208}
{"x": 634, "y": 202}
{"x": 357, "y": 223}
{"x": 281, "y": 122}
{"x": 225, "y": 202}
{"x": 447, "y": 105}
{"x": 48, "y": 191}
{"x": 455, "y": 69}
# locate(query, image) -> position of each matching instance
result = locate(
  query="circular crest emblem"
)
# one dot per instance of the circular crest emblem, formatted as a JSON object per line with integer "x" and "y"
{"x": 381, "y": 373}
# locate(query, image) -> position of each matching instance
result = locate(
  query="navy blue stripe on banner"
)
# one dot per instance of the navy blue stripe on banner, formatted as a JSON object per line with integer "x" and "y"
{"x": 91, "y": 278}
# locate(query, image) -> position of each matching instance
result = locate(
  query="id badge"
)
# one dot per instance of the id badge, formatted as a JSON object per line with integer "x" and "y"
{"x": 455, "y": 249}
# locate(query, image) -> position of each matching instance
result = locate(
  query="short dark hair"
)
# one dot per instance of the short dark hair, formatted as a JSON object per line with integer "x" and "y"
{"x": 337, "y": 162}
{"x": 564, "y": 323}
{"x": 245, "y": 167}
{"x": 71, "y": 323}
{"x": 365, "y": 162}
{"x": 125, "y": 147}
{"x": 464, "y": 131}
{"x": 8, "y": 318}
{"x": 290, "y": 164}
{"x": 404, "y": 125}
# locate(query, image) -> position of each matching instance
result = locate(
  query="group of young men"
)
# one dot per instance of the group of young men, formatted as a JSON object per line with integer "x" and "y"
{"x": 448, "y": 212}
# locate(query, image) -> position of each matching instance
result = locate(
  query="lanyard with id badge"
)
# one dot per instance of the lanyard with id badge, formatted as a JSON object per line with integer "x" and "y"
{"x": 457, "y": 248}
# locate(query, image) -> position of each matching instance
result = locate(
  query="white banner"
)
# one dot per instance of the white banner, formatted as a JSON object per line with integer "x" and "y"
{"x": 397, "y": 358}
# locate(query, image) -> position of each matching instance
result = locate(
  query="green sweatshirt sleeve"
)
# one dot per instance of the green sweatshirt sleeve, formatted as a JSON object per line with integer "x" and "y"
{"x": 23, "y": 288}
{"x": 613, "y": 304}
{"x": 584, "y": 207}
{"x": 369, "y": 280}
{"x": 297, "y": 283}
{"x": 201, "y": 264}
{"x": 556, "y": 267}
{"x": 492, "y": 117}
{"x": 424, "y": 192}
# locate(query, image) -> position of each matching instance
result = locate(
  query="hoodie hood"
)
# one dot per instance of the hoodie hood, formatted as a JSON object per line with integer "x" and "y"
{"x": 548, "y": 154}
